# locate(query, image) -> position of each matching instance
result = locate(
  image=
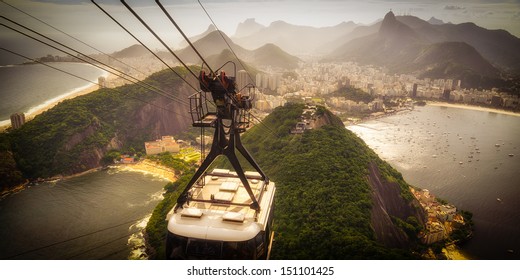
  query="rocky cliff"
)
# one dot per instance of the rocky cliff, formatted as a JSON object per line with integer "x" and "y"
{"x": 75, "y": 135}
{"x": 388, "y": 204}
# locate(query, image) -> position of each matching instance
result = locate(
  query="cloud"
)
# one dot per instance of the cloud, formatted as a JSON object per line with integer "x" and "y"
{"x": 453, "y": 7}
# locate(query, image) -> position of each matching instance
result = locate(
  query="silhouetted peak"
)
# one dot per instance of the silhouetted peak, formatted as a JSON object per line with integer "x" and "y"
{"x": 435, "y": 21}
{"x": 211, "y": 28}
{"x": 389, "y": 17}
{"x": 389, "y": 24}
{"x": 248, "y": 27}
{"x": 392, "y": 28}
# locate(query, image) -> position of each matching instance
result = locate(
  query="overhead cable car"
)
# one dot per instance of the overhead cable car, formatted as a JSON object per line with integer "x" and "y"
{"x": 222, "y": 214}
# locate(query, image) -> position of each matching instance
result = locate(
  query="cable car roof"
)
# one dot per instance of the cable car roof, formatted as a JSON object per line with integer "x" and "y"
{"x": 223, "y": 218}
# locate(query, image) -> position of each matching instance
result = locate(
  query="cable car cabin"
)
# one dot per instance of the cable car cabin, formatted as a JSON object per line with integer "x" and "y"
{"x": 217, "y": 221}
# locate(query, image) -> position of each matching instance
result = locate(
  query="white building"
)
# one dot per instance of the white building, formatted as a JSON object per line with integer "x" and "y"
{"x": 165, "y": 144}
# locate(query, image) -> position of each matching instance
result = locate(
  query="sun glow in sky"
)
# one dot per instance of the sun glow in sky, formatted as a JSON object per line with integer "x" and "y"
{"x": 82, "y": 19}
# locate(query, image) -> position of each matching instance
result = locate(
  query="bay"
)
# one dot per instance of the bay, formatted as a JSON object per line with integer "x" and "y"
{"x": 462, "y": 156}
{"x": 99, "y": 215}
{"x": 28, "y": 88}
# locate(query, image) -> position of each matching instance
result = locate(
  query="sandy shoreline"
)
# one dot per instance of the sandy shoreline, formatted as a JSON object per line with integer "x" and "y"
{"x": 145, "y": 166}
{"x": 89, "y": 89}
{"x": 149, "y": 167}
{"x": 471, "y": 107}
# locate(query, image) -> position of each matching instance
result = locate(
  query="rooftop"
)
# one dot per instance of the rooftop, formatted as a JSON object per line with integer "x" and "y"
{"x": 225, "y": 213}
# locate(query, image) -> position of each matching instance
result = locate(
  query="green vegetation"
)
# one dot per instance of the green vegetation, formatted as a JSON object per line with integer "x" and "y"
{"x": 464, "y": 233}
{"x": 354, "y": 94}
{"x": 156, "y": 228}
{"x": 173, "y": 161}
{"x": 323, "y": 198}
{"x": 74, "y": 135}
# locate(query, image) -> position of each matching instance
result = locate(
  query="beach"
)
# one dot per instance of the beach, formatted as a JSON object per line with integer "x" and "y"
{"x": 150, "y": 167}
{"x": 476, "y": 108}
{"x": 33, "y": 112}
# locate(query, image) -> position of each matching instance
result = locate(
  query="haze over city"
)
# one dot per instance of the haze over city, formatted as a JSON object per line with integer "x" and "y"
{"x": 380, "y": 129}
{"x": 84, "y": 20}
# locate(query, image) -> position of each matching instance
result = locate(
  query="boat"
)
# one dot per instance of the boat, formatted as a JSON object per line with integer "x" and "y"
{"x": 499, "y": 200}
{"x": 511, "y": 155}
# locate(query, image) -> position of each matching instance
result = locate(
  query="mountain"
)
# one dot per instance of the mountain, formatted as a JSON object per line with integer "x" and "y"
{"x": 360, "y": 31}
{"x": 248, "y": 27}
{"x": 393, "y": 44}
{"x": 132, "y": 51}
{"x": 497, "y": 46}
{"x": 211, "y": 28}
{"x": 274, "y": 56}
{"x": 295, "y": 39}
{"x": 213, "y": 45}
{"x": 435, "y": 21}
{"x": 77, "y": 134}
{"x": 458, "y": 56}
{"x": 217, "y": 61}
{"x": 336, "y": 199}
{"x": 411, "y": 45}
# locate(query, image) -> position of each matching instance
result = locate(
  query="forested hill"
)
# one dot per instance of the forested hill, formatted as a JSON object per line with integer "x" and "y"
{"x": 76, "y": 134}
{"x": 325, "y": 202}
{"x": 335, "y": 198}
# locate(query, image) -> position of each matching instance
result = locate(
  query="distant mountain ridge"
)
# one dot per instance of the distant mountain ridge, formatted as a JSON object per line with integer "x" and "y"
{"x": 132, "y": 51}
{"x": 248, "y": 27}
{"x": 195, "y": 38}
{"x": 410, "y": 45}
{"x": 213, "y": 44}
{"x": 294, "y": 39}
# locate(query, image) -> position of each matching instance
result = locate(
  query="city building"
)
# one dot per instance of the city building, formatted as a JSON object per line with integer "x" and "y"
{"x": 165, "y": 144}
{"x": 435, "y": 232}
{"x": 17, "y": 120}
{"x": 102, "y": 82}
{"x": 243, "y": 81}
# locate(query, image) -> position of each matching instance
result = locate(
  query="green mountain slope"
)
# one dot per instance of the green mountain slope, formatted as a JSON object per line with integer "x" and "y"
{"x": 324, "y": 198}
{"x": 327, "y": 205}
{"x": 75, "y": 135}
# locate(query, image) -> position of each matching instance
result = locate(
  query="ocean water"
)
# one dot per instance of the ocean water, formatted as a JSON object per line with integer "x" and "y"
{"x": 98, "y": 215}
{"x": 462, "y": 156}
{"x": 28, "y": 88}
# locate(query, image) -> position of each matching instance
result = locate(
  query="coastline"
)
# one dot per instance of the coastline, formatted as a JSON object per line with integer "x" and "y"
{"x": 36, "y": 110}
{"x": 147, "y": 166}
{"x": 472, "y": 107}
{"x": 452, "y": 252}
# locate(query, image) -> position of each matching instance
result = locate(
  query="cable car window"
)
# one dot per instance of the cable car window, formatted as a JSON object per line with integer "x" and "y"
{"x": 204, "y": 249}
{"x": 176, "y": 247}
{"x": 238, "y": 250}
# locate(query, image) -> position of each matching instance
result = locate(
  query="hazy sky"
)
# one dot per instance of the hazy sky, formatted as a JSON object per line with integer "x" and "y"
{"x": 83, "y": 20}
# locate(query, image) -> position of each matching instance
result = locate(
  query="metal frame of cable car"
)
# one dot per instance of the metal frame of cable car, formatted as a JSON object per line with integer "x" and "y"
{"x": 222, "y": 214}
{"x": 230, "y": 118}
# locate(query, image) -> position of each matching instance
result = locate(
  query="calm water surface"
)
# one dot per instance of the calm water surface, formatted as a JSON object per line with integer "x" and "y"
{"x": 93, "y": 216}
{"x": 462, "y": 156}
{"x": 27, "y": 88}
